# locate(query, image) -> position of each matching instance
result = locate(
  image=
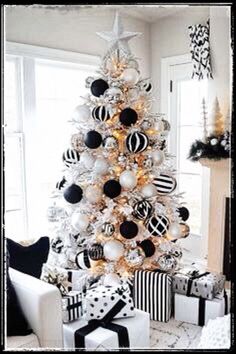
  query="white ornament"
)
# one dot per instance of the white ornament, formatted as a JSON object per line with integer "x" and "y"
{"x": 130, "y": 76}
{"x": 149, "y": 191}
{"x": 111, "y": 279}
{"x": 81, "y": 114}
{"x": 101, "y": 166}
{"x": 158, "y": 157}
{"x": 87, "y": 160}
{"x": 128, "y": 179}
{"x": 113, "y": 250}
{"x": 93, "y": 194}
{"x": 174, "y": 230}
{"x": 118, "y": 39}
{"x": 79, "y": 221}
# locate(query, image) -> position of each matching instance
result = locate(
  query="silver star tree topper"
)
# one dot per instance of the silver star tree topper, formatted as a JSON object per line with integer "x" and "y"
{"x": 118, "y": 39}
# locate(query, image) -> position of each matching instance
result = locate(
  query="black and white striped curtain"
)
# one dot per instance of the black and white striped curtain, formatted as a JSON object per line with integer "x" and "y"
{"x": 200, "y": 51}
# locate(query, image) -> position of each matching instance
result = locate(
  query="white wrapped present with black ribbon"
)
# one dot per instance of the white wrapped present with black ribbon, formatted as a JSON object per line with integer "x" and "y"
{"x": 198, "y": 283}
{"x": 100, "y": 299}
{"x": 107, "y": 333}
{"x": 199, "y": 311}
{"x": 152, "y": 293}
{"x": 72, "y": 306}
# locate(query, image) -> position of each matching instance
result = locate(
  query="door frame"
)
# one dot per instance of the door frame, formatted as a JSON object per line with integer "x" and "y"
{"x": 165, "y": 103}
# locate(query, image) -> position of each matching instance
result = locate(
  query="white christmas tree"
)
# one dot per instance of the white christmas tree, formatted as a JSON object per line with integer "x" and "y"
{"x": 217, "y": 119}
{"x": 116, "y": 210}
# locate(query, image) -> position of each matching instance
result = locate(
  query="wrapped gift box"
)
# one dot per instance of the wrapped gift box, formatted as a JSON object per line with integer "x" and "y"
{"x": 100, "y": 299}
{"x": 152, "y": 293}
{"x": 202, "y": 284}
{"x": 199, "y": 311}
{"x": 77, "y": 279}
{"x": 56, "y": 276}
{"x": 137, "y": 328}
{"x": 72, "y": 306}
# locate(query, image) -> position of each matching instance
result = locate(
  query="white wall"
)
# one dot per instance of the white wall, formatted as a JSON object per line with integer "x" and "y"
{"x": 169, "y": 37}
{"x": 73, "y": 30}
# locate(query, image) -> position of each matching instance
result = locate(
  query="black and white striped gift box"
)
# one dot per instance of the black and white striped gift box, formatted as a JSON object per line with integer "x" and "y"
{"x": 72, "y": 306}
{"x": 152, "y": 293}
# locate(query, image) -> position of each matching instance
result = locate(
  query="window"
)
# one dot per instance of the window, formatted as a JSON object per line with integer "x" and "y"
{"x": 40, "y": 95}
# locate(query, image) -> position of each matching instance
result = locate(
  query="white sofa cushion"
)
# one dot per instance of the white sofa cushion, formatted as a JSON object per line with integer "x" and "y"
{"x": 30, "y": 341}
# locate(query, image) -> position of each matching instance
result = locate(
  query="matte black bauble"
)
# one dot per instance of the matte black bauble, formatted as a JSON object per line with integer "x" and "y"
{"x": 93, "y": 139}
{"x": 98, "y": 87}
{"x": 183, "y": 213}
{"x": 73, "y": 194}
{"x": 129, "y": 229}
{"x": 112, "y": 188}
{"x": 148, "y": 247}
{"x": 128, "y": 117}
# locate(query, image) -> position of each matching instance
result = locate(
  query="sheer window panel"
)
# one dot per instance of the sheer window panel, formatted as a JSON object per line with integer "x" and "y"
{"x": 187, "y": 135}
{"x": 192, "y": 186}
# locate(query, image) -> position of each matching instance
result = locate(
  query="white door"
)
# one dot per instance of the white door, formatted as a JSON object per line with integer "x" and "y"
{"x": 185, "y": 112}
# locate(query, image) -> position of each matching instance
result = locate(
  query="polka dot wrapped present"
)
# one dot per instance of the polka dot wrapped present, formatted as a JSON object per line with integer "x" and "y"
{"x": 101, "y": 299}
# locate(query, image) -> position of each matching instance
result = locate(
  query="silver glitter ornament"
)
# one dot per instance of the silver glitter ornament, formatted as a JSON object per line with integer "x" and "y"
{"x": 167, "y": 262}
{"x": 166, "y": 125}
{"x": 110, "y": 143}
{"x": 135, "y": 257}
{"x": 113, "y": 95}
{"x": 146, "y": 124}
{"x": 148, "y": 162}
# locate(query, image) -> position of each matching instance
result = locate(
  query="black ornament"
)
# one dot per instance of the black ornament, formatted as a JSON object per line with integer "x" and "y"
{"x": 137, "y": 142}
{"x": 183, "y": 213}
{"x": 101, "y": 113}
{"x": 148, "y": 87}
{"x": 157, "y": 225}
{"x": 70, "y": 156}
{"x": 73, "y": 194}
{"x": 142, "y": 210}
{"x": 96, "y": 252}
{"x": 98, "y": 87}
{"x": 61, "y": 183}
{"x": 148, "y": 247}
{"x": 128, "y": 117}
{"x": 93, "y": 139}
{"x": 112, "y": 188}
{"x": 128, "y": 229}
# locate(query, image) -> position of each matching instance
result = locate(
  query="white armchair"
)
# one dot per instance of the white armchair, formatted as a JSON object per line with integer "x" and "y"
{"x": 41, "y": 304}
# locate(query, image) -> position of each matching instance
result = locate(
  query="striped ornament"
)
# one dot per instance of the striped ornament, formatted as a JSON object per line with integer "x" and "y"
{"x": 72, "y": 306}
{"x": 101, "y": 113}
{"x": 164, "y": 184}
{"x": 157, "y": 225}
{"x": 108, "y": 229}
{"x": 82, "y": 260}
{"x": 152, "y": 293}
{"x": 96, "y": 252}
{"x": 142, "y": 210}
{"x": 137, "y": 142}
{"x": 61, "y": 184}
{"x": 70, "y": 156}
{"x": 57, "y": 245}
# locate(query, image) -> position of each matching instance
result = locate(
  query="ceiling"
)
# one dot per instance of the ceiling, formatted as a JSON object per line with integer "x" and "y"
{"x": 147, "y": 13}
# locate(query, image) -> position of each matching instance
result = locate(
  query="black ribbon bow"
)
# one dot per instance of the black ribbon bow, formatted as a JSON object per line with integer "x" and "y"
{"x": 105, "y": 322}
{"x": 194, "y": 275}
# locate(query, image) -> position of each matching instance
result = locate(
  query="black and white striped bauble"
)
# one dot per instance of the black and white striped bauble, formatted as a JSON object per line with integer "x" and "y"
{"x": 70, "y": 156}
{"x": 164, "y": 184}
{"x": 137, "y": 142}
{"x": 142, "y": 210}
{"x": 108, "y": 229}
{"x": 57, "y": 245}
{"x": 82, "y": 260}
{"x": 157, "y": 225}
{"x": 101, "y": 113}
{"x": 96, "y": 252}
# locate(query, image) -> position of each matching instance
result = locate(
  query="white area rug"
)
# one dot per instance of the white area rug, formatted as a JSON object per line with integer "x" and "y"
{"x": 174, "y": 335}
